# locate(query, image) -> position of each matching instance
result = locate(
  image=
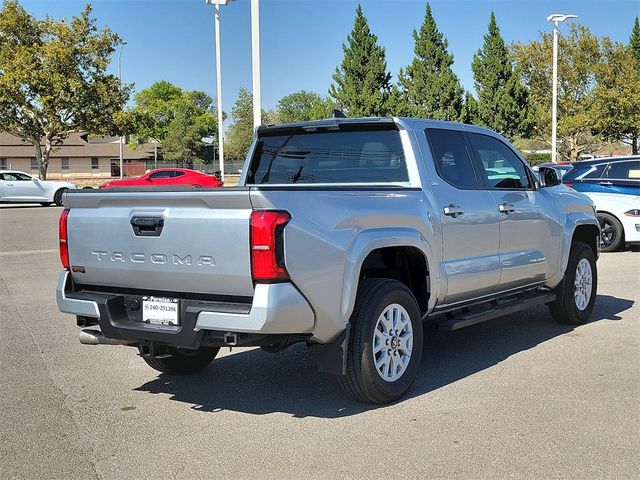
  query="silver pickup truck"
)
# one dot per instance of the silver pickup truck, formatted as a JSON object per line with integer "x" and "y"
{"x": 344, "y": 234}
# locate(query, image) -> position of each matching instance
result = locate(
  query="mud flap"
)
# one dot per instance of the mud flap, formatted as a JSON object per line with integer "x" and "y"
{"x": 332, "y": 357}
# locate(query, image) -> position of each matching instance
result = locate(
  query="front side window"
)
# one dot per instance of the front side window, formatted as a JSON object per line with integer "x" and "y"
{"x": 16, "y": 177}
{"x": 502, "y": 167}
{"x": 34, "y": 163}
{"x": 64, "y": 164}
{"x": 451, "y": 158}
{"x": 360, "y": 156}
{"x": 163, "y": 174}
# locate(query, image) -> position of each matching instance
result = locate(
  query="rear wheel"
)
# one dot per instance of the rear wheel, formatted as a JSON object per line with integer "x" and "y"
{"x": 183, "y": 361}
{"x": 57, "y": 198}
{"x": 611, "y": 232}
{"x": 576, "y": 294}
{"x": 385, "y": 342}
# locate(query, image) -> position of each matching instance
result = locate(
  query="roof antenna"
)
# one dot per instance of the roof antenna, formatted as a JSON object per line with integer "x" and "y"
{"x": 337, "y": 114}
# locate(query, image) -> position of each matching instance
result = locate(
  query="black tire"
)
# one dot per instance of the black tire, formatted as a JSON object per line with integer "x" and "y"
{"x": 362, "y": 379}
{"x": 183, "y": 361}
{"x": 611, "y": 232}
{"x": 564, "y": 308}
{"x": 57, "y": 198}
{"x": 45, "y": 204}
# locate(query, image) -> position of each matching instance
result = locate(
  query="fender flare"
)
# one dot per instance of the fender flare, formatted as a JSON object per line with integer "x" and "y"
{"x": 369, "y": 240}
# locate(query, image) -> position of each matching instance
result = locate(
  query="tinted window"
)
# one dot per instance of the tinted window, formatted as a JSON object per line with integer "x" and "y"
{"x": 163, "y": 174}
{"x": 624, "y": 170}
{"x": 178, "y": 174}
{"x": 451, "y": 157}
{"x": 502, "y": 167}
{"x": 329, "y": 157}
{"x": 583, "y": 171}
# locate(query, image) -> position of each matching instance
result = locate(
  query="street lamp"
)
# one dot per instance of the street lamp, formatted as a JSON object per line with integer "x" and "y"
{"x": 121, "y": 141}
{"x": 255, "y": 62}
{"x": 555, "y": 18}
{"x": 216, "y": 9}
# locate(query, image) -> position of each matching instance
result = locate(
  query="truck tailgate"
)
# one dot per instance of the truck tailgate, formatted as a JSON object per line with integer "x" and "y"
{"x": 194, "y": 241}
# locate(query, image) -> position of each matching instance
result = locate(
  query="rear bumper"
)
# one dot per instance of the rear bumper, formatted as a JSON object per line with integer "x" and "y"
{"x": 276, "y": 309}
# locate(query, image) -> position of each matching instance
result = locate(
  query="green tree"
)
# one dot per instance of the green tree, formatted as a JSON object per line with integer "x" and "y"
{"x": 469, "y": 113}
{"x": 362, "y": 82}
{"x": 53, "y": 79}
{"x": 616, "y": 108}
{"x": 193, "y": 120}
{"x": 177, "y": 118}
{"x": 503, "y": 101}
{"x": 429, "y": 87}
{"x": 240, "y": 132}
{"x": 302, "y": 106}
{"x": 579, "y": 57}
{"x": 634, "y": 41}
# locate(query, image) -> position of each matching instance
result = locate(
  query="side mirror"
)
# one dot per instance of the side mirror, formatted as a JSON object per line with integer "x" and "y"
{"x": 549, "y": 177}
{"x": 148, "y": 179}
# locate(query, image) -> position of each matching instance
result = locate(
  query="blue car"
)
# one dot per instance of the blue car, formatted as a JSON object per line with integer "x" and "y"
{"x": 605, "y": 175}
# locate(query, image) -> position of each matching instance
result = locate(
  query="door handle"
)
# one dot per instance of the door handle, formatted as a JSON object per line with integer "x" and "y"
{"x": 452, "y": 210}
{"x": 506, "y": 208}
{"x": 606, "y": 184}
{"x": 10, "y": 184}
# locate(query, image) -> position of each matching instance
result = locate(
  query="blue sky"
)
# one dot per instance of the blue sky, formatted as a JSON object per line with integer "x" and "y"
{"x": 301, "y": 40}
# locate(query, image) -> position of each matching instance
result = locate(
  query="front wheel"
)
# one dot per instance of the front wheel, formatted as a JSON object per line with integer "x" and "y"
{"x": 57, "y": 198}
{"x": 611, "y": 232}
{"x": 183, "y": 361}
{"x": 385, "y": 342}
{"x": 576, "y": 294}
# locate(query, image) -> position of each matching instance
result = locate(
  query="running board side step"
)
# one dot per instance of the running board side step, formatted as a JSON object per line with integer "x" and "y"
{"x": 494, "y": 309}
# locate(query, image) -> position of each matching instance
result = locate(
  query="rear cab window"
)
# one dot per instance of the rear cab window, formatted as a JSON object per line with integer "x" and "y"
{"x": 347, "y": 154}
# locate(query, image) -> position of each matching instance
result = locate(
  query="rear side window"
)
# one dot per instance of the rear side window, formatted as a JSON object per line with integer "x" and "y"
{"x": 372, "y": 156}
{"x": 624, "y": 171}
{"x": 451, "y": 158}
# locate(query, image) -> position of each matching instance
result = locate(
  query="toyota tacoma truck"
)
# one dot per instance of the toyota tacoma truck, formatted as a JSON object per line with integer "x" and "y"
{"x": 343, "y": 234}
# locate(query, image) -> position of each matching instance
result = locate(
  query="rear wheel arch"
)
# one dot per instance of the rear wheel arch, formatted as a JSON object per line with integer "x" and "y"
{"x": 406, "y": 264}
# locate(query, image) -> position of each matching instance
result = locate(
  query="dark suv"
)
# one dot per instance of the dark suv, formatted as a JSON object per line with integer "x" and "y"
{"x": 605, "y": 175}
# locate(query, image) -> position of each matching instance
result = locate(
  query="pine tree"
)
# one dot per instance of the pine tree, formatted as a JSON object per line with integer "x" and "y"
{"x": 429, "y": 86}
{"x": 634, "y": 41}
{"x": 503, "y": 101}
{"x": 469, "y": 112}
{"x": 362, "y": 83}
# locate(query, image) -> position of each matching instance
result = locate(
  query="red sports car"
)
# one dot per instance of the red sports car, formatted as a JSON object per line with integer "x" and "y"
{"x": 168, "y": 176}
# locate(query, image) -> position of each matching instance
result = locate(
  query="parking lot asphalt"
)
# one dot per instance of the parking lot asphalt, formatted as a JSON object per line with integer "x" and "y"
{"x": 518, "y": 397}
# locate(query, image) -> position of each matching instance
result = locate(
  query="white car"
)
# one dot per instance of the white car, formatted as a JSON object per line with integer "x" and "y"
{"x": 619, "y": 217}
{"x": 20, "y": 187}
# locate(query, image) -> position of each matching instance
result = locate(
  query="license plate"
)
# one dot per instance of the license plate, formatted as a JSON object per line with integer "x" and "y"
{"x": 160, "y": 310}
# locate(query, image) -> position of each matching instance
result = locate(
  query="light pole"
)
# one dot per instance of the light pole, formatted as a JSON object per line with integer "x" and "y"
{"x": 121, "y": 141}
{"x": 555, "y": 18}
{"x": 255, "y": 62}
{"x": 216, "y": 12}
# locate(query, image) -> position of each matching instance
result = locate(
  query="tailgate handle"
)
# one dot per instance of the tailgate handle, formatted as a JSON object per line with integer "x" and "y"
{"x": 147, "y": 226}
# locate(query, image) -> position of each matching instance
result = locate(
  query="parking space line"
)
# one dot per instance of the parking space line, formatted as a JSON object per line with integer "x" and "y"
{"x": 29, "y": 252}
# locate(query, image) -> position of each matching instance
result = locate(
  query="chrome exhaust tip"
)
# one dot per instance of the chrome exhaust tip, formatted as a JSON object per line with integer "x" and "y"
{"x": 95, "y": 337}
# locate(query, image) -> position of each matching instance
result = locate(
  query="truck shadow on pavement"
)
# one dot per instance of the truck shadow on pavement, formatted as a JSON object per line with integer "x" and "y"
{"x": 256, "y": 382}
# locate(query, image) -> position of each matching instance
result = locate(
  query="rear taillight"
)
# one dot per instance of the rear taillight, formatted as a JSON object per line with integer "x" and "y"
{"x": 267, "y": 245}
{"x": 62, "y": 235}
